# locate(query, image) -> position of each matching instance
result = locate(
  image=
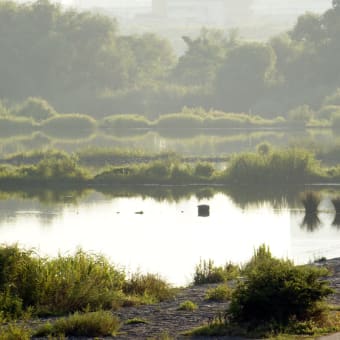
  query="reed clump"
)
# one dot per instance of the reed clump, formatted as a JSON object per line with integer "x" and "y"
{"x": 311, "y": 201}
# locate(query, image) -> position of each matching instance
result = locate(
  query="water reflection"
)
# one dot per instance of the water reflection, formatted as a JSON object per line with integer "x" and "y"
{"x": 311, "y": 222}
{"x": 169, "y": 237}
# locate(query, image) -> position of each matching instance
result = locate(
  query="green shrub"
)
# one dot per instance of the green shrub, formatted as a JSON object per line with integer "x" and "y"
{"x": 72, "y": 283}
{"x": 278, "y": 167}
{"x": 221, "y": 293}
{"x": 188, "y": 306}
{"x": 207, "y": 272}
{"x": 277, "y": 292}
{"x": 19, "y": 279}
{"x": 14, "y": 332}
{"x": 148, "y": 285}
{"x": 204, "y": 170}
{"x": 36, "y": 108}
{"x": 158, "y": 169}
{"x": 94, "y": 324}
{"x": 127, "y": 121}
{"x": 179, "y": 121}
{"x": 69, "y": 125}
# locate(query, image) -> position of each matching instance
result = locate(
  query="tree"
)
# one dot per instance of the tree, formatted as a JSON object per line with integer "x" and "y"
{"x": 244, "y": 76}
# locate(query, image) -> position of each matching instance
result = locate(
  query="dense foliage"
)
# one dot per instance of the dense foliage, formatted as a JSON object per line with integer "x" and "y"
{"x": 80, "y": 63}
{"x": 277, "y": 292}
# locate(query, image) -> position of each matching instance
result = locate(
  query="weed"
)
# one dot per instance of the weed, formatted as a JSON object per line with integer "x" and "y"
{"x": 100, "y": 323}
{"x": 221, "y": 293}
{"x": 188, "y": 306}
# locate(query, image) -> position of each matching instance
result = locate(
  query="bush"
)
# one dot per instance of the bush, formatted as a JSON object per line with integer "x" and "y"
{"x": 36, "y": 108}
{"x": 277, "y": 292}
{"x": 69, "y": 125}
{"x": 221, "y": 293}
{"x": 148, "y": 285}
{"x": 93, "y": 324}
{"x": 188, "y": 306}
{"x": 56, "y": 286}
{"x": 14, "y": 332}
{"x": 179, "y": 121}
{"x": 126, "y": 121}
{"x": 72, "y": 283}
{"x": 204, "y": 170}
{"x": 207, "y": 272}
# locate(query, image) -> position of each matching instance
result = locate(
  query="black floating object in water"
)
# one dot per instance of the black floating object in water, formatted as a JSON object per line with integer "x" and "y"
{"x": 139, "y": 212}
{"x": 203, "y": 210}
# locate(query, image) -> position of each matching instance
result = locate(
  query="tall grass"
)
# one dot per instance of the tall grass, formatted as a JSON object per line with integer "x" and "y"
{"x": 94, "y": 324}
{"x": 278, "y": 168}
{"x": 56, "y": 286}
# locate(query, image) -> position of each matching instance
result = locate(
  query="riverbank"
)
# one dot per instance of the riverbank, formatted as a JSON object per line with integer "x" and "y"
{"x": 164, "y": 318}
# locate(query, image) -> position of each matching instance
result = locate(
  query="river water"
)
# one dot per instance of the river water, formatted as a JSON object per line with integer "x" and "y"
{"x": 141, "y": 233}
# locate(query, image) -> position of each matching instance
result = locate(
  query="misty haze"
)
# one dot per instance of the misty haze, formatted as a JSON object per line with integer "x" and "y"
{"x": 153, "y": 144}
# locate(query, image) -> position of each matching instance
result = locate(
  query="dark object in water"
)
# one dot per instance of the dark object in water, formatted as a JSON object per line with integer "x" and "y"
{"x": 139, "y": 212}
{"x": 203, "y": 210}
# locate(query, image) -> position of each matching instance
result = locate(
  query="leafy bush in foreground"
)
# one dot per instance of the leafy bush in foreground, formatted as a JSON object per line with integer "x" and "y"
{"x": 275, "y": 291}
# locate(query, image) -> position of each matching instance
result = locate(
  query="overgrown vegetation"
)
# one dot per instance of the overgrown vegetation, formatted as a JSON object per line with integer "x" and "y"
{"x": 221, "y": 293}
{"x": 207, "y": 272}
{"x": 276, "y": 297}
{"x": 69, "y": 283}
{"x": 188, "y": 306}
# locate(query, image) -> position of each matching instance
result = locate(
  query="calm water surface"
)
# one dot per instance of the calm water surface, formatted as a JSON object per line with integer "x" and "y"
{"x": 169, "y": 238}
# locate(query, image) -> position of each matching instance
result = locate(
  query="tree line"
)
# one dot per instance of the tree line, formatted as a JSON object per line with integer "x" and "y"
{"x": 79, "y": 62}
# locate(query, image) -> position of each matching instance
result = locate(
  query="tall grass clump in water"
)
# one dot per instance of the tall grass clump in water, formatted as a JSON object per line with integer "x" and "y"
{"x": 311, "y": 201}
{"x": 279, "y": 167}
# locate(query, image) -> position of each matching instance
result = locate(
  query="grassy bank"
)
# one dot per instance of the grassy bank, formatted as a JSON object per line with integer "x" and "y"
{"x": 277, "y": 168}
{"x": 268, "y": 297}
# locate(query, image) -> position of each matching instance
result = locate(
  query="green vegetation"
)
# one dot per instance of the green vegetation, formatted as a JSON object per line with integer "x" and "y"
{"x": 276, "y": 297}
{"x": 188, "y": 306}
{"x": 136, "y": 321}
{"x": 275, "y": 168}
{"x": 69, "y": 283}
{"x": 140, "y": 74}
{"x": 94, "y": 324}
{"x": 207, "y": 272}
{"x": 221, "y": 293}
{"x": 148, "y": 286}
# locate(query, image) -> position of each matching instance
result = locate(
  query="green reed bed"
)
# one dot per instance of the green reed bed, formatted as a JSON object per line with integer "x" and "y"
{"x": 275, "y": 168}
